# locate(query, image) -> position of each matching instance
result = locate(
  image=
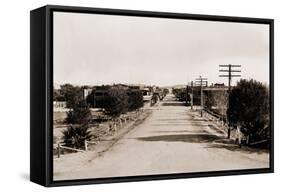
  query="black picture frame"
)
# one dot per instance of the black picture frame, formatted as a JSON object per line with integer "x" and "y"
{"x": 41, "y": 84}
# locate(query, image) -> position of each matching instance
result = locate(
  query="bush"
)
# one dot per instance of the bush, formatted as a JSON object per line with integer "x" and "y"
{"x": 181, "y": 94}
{"x": 58, "y": 96}
{"x": 116, "y": 102}
{"x": 75, "y": 136}
{"x": 71, "y": 94}
{"x": 216, "y": 99}
{"x": 135, "y": 100}
{"x": 165, "y": 91}
{"x": 80, "y": 114}
{"x": 249, "y": 108}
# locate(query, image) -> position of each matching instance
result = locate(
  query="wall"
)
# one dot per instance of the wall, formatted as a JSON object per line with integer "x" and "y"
{"x": 14, "y": 61}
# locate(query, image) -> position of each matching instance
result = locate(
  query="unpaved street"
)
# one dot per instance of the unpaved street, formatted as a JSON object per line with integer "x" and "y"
{"x": 173, "y": 139}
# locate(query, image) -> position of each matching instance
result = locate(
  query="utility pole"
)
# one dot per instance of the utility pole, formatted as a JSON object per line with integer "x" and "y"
{"x": 191, "y": 96}
{"x": 201, "y": 82}
{"x": 229, "y": 71}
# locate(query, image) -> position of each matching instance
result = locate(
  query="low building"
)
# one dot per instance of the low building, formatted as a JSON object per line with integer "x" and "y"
{"x": 59, "y": 104}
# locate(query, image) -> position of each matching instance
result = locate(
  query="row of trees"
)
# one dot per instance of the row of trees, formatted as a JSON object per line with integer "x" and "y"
{"x": 216, "y": 101}
{"x": 119, "y": 100}
{"x": 246, "y": 107}
{"x": 183, "y": 94}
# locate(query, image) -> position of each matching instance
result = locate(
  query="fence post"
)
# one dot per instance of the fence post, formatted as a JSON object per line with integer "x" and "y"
{"x": 114, "y": 126}
{"x": 120, "y": 122}
{"x": 239, "y": 136}
{"x": 86, "y": 145}
{"x": 58, "y": 150}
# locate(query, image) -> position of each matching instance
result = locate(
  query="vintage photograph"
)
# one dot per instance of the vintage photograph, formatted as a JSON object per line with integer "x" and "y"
{"x": 136, "y": 96}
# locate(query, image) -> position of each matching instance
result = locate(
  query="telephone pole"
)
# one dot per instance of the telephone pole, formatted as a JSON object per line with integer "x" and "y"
{"x": 229, "y": 71}
{"x": 191, "y": 96}
{"x": 201, "y": 82}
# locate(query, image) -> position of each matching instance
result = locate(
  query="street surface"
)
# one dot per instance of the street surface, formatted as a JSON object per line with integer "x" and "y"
{"x": 173, "y": 139}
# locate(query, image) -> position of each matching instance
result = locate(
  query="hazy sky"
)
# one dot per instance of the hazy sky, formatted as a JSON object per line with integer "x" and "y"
{"x": 101, "y": 49}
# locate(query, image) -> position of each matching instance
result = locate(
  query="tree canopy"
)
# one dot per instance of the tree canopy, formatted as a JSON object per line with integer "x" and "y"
{"x": 71, "y": 94}
{"x": 117, "y": 101}
{"x": 249, "y": 106}
{"x": 79, "y": 114}
{"x": 135, "y": 100}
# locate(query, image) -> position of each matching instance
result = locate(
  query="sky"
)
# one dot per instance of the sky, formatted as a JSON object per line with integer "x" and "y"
{"x": 92, "y": 49}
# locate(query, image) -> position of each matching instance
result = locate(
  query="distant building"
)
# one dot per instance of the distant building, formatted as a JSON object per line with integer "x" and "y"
{"x": 87, "y": 92}
{"x": 219, "y": 85}
{"x": 99, "y": 98}
{"x": 59, "y": 104}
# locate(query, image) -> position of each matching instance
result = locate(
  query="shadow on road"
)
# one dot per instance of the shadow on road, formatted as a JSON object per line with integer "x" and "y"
{"x": 181, "y": 131}
{"x": 173, "y": 104}
{"x": 177, "y": 124}
{"x": 189, "y": 138}
{"x": 212, "y": 141}
{"x": 231, "y": 146}
{"x": 191, "y": 120}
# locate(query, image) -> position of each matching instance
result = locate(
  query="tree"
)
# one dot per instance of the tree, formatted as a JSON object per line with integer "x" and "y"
{"x": 80, "y": 114}
{"x": 135, "y": 100}
{"x": 216, "y": 101}
{"x": 165, "y": 91}
{"x": 57, "y": 95}
{"x": 249, "y": 107}
{"x": 78, "y": 131}
{"x": 116, "y": 102}
{"x": 72, "y": 94}
{"x": 75, "y": 136}
{"x": 221, "y": 100}
{"x": 180, "y": 94}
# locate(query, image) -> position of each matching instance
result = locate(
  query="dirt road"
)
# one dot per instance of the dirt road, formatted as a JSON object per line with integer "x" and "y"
{"x": 172, "y": 140}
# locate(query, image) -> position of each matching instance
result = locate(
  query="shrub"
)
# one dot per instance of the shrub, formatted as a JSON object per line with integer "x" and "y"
{"x": 181, "y": 94}
{"x": 249, "y": 107}
{"x": 80, "y": 114}
{"x": 218, "y": 100}
{"x": 166, "y": 91}
{"x": 135, "y": 100}
{"x": 116, "y": 102}
{"x": 71, "y": 94}
{"x": 75, "y": 136}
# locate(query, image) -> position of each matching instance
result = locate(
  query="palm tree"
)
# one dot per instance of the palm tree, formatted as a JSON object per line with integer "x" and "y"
{"x": 75, "y": 136}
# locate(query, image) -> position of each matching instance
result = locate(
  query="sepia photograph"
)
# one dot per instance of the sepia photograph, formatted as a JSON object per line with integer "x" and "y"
{"x": 139, "y": 96}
